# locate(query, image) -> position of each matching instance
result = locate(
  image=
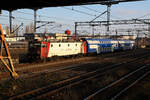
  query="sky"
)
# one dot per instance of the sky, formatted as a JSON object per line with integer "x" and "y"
{"x": 65, "y": 17}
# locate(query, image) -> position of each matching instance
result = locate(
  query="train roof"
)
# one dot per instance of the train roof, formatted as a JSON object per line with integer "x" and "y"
{"x": 99, "y": 39}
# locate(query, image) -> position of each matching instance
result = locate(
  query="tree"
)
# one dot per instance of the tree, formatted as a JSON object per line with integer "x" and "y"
{"x": 29, "y": 28}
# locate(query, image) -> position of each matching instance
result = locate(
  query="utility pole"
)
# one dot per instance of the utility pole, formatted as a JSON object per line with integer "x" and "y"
{"x": 35, "y": 18}
{"x": 138, "y": 33}
{"x": 10, "y": 21}
{"x": 6, "y": 59}
{"x": 116, "y": 33}
{"x": 108, "y": 17}
{"x": 75, "y": 28}
{"x": 149, "y": 29}
{"x": 93, "y": 30}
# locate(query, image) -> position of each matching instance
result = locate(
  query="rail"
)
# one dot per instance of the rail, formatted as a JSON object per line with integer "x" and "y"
{"x": 117, "y": 81}
{"x": 51, "y": 89}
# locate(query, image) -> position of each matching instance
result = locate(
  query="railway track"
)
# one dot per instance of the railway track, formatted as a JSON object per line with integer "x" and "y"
{"x": 122, "y": 53}
{"x": 43, "y": 68}
{"x": 56, "y": 87}
{"x": 125, "y": 82}
{"x": 118, "y": 54}
{"x": 106, "y": 55}
{"x": 131, "y": 85}
{"x": 36, "y": 67}
{"x": 72, "y": 66}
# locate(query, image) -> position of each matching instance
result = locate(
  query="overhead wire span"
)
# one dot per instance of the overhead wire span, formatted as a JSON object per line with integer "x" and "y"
{"x": 72, "y": 9}
{"x": 24, "y": 13}
{"x": 99, "y": 12}
{"x": 90, "y": 9}
{"x": 98, "y": 16}
{"x": 4, "y": 15}
{"x": 144, "y": 16}
{"x": 3, "y": 19}
{"x": 44, "y": 16}
{"x": 79, "y": 11}
{"x": 17, "y": 17}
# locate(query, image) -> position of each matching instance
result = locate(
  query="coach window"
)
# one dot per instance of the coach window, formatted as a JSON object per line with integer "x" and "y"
{"x": 51, "y": 45}
{"x": 76, "y": 44}
{"x": 59, "y": 45}
{"x": 68, "y": 45}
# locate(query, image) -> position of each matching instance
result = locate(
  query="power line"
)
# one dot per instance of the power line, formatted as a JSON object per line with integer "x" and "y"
{"x": 99, "y": 12}
{"x": 56, "y": 18}
{"x": 90, "y": 9}
{"x": 3, "y": 19}
{"x": 17, "y": 17}
{"x": 144, "y": 15}
{"x": 24, "y": 13}
{"x": 44, "y": 16}
{"x": 79, "y": 11}
{"x": 24, "y": 18}
{"x": 98, "y": 16}
{"x": 72, "y": 9}
{"x": 4, "y": 15}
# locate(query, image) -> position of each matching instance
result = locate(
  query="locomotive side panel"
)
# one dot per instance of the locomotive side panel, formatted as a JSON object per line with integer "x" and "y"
{"x": 45, "y": 46}
{"x": 64, "y": 49}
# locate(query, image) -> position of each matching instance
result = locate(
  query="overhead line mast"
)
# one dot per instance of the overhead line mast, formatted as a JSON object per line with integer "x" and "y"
{"x": 108, "y": 17}
{"x": 6, "y": 59}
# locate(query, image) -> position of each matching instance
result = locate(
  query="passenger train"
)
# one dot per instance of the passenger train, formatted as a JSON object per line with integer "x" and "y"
{"x": 47, "y": 49}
